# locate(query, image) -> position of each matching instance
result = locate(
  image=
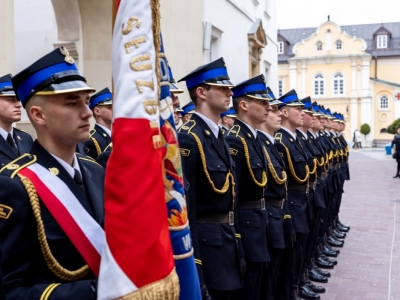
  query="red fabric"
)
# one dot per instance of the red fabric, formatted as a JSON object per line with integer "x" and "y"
{"x": 66, "y": 222}
{"x": 135, "y": 223}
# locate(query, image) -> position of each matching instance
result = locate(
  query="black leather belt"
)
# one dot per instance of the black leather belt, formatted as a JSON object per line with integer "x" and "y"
{"x": 260, "y": 204}
{"x": 273, "y": 202}
{"x": 218, "y": 218}
{"x": 298, "y": 187}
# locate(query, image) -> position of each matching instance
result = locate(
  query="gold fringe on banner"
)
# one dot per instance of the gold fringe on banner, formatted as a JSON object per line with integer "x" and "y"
{"x": 164, "y": 289}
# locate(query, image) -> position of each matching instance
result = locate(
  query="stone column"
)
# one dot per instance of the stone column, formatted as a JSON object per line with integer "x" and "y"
{"x": 303, "y": 78}
{"x": 7, "y": 36}
{"x": 293, "y": 75}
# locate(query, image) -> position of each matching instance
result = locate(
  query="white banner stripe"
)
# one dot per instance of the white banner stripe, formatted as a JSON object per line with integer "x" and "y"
{"x": 85, "y": 221}
{"x": 113, "y": 282}
{"x": 128, "y": 68}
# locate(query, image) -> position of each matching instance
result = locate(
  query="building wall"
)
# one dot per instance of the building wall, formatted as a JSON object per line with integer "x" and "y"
{"x": 182, "y": 29}
{"x": 361, "y": 98}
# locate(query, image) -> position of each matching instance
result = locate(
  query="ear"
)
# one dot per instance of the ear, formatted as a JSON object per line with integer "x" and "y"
{"x": 96, "y": 111}
{"x": 200, "y": 92}
{"x": 285, "y": 112}
{"x": 37, "y": 115}
{"x": 244, "y": 105}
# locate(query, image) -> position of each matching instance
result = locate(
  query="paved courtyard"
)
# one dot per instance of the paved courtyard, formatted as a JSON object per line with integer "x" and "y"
{"x": 369, "y": 263}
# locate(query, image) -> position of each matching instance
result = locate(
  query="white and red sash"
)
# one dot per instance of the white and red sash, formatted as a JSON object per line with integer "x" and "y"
{"x": 84, "y": 232}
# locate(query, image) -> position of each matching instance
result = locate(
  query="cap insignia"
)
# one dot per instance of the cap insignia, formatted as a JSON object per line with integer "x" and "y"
{"x": 54, "y": 171}
{"x": 69, "y": 59}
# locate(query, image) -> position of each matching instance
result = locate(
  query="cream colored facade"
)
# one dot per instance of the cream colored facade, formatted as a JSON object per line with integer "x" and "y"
{"x": 347, "y": 71}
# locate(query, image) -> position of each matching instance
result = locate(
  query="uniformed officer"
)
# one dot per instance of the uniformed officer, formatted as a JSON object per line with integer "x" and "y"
{"x": 316, "y": 200}
{"x": 227, "y": 119}
{"x": 187, "y": 112}
{"x": 41, "y": 261}
{"x": 315, "y": 273}
{"x": 275, "y": 199}
{"x": 250, "y": 100}
{"x": 13, "y": 141}
{"x": 297, "y": 171}
{"x": 100, "y": 135}
{"x": 175, "y": 90}
{"x": 331, "y": 186}
{"x": 209, "y": 169}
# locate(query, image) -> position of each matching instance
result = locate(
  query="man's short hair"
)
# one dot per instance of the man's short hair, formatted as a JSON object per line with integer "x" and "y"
{"x": 192, "y": 92}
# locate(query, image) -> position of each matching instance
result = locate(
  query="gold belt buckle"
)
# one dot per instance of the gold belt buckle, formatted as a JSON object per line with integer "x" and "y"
{"x": 231, "y": 218}
{"x": 262, "y": 203}
{"x": 283, "y": 203}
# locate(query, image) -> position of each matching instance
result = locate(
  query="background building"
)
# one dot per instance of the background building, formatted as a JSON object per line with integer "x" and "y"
{"x": 242, "y": 31}
{"x": 351, "y": 69}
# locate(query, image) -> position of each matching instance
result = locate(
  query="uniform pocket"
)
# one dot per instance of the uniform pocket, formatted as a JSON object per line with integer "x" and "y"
{"x": 248, "y": 219}
{"x": 211, "y": 238}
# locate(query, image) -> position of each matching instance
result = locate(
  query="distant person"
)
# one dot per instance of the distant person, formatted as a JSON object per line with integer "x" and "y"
{"x": 396, "y": 146}
{"x": 356, "y": 140}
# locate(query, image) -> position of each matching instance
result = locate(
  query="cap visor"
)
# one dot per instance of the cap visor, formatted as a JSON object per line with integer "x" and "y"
{"x": 174, "y": 88}
{"x": 264, "y": 97}
{"x": 108, "y": 102}
{"x": 221, "y": 83}
{"x": 66, "y": 87}
{"x": 7, "y": 94}
{"x": 275, "y": 102}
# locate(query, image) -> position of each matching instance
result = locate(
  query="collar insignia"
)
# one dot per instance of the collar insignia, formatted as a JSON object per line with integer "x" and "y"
{"x": 54, "y": 171}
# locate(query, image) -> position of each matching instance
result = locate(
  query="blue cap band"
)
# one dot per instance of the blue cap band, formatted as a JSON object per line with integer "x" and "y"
{"x": 241, "y": 91}
{"x": 31, "y": 82}
{"x": 5, "y": 84}
{"x": 187, "y": 109}
{"x": 289, "y": 99}
{"x": 228, "y": 112}
{"x": 200, "y": 78}
{"x": 100, "y": 99}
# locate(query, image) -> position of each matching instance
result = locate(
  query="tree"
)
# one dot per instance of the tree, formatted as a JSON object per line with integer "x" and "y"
{"x": 365, "y": 129}
{"x": 392, "y": 128}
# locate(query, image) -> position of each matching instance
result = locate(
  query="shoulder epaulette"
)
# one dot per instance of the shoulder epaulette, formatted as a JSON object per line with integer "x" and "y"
{"x": 93, "y": 131}
{"x": 108, "y": 146}
{"x": 234, "y": 130}
{"x": 187, "y": 127}
{"x": 278, "y": 137}
{"x": 21, "y": 130}
{"x": 12, "y": 168}
{"x": 88, "y": 158}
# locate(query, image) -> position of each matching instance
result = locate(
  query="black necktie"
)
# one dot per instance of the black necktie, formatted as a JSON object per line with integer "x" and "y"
{"x": 79, "y": 181}
{"x": 10, "y": 141}
{"x": 221, "y": 139}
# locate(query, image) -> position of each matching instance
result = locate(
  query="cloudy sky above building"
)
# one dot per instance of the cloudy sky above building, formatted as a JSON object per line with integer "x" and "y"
{"x": 311, "y": 13}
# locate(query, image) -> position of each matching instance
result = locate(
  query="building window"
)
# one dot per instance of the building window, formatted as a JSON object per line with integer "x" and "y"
{"x": 319, "y": 46}
{"x": 214, "y": 48}
{"x": 384, "y": 102}
{"x": 381, "y": 41}
{"x": 319, "y": 85}
{"x": 338, "y": 45}
{"x": 280, "y": 88}
{"x": 338, "y": 84}
{"x": 280, "y": 47}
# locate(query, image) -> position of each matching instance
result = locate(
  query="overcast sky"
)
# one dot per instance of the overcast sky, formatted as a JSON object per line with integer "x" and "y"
{"x": 311, "y": 13}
